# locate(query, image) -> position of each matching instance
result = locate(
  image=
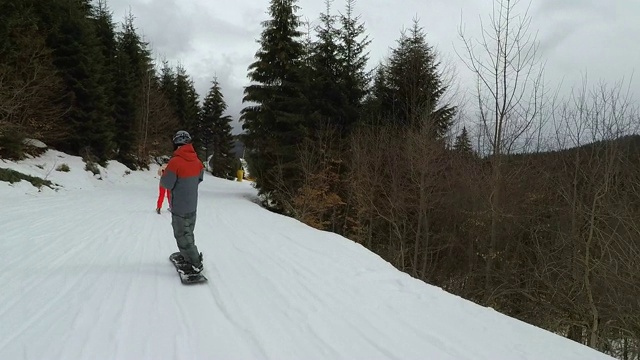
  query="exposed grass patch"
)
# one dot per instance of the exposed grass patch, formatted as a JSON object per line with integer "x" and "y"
{"x": 12, "y": 176}
{"x": 12, "y": 144}
{"x": 63, "y": 168}
{"x": 93, "y": 167}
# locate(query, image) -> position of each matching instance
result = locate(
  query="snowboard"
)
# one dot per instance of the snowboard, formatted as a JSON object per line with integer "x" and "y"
{"x": 186, "y": 279}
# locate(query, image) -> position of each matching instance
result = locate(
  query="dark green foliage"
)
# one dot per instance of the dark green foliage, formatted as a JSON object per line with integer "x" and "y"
{"x": 168, "y": 82}
{"x": 63, "y": 168}
{"x": 77, "y": 56}
{"x": 325, "y": 85}
{"x": 217, "y": 139}
{"x": 12, "y": 143}
{"x": 353, "y": 58}
{"x": 12, "y": 176}
{"x": 336, "y": 74}
{"x": 463, "y": 143}
{"x": 185, "y": 99}
{"x": 31, "y": 87}
{"x": 275, "y": 123}
{"x": 93, "y": 167}
{"x": 408, "y": 90}
{"x": 376, "y": 104}
{"x": 337, "y": 82}
{"x": 106, "y": 33}
{"x": 125, "y": 108}
{"x": 134, "y": 65}
{"x": 71, "y": 80}
{"x": 12, "y": 14}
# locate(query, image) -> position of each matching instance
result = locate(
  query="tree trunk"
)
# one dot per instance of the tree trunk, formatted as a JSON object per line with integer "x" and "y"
{"x": 494, "y": 203}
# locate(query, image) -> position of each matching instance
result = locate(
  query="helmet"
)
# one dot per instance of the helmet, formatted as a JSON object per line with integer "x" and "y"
{"x": 181, "y": 138}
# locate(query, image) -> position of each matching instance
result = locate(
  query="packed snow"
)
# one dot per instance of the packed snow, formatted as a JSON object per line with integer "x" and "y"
{"x": 85, "y": 274}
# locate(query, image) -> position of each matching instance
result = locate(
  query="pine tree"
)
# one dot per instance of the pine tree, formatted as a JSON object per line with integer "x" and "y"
{"x": 90, "y": 90}
{"x": 307, "y": 42}
{"x": 216, "y": 133}
{"x": 376, "y": 103}
{"x": 275, "y": 123}
{"x": 30, "y": 87}
{"x": 353, "y": 57}
{"x": 187, "y": 107}
{"x": 325, "y": 85}
{"x": 78, "y": 58}
{"x": 168, "y": 82}
{"x": 133, "y": 67}
{"x": 462, "y": 143}
{"x": 125, "y": 108}
{"x": 167, "y": 87}
{"x": 161, "y": 117}
{"x": 106, "y": 33}
{"x": 412, "y": 76}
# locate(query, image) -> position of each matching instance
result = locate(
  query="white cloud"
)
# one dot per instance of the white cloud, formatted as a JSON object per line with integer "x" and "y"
{"x": 214, "y": 39}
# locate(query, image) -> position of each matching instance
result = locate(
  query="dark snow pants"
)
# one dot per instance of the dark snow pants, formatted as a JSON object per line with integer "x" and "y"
{"x": 183, "y": 226}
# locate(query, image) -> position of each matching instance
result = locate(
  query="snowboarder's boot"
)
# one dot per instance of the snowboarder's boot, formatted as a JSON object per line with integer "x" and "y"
{"x": 158, "y": 210}
{"x": 187, "y": 268}
{"x": 177, "y": 258}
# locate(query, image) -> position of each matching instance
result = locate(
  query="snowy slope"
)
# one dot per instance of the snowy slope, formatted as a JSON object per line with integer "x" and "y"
{"x": 84, "y": 275}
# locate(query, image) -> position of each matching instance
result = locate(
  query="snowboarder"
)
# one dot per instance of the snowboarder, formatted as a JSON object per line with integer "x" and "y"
{"x": 183, "y": 174}
{"x": 162, "y": 191}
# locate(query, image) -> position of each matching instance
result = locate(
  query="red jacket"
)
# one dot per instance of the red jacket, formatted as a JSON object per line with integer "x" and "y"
{"x": 182, "y": 177}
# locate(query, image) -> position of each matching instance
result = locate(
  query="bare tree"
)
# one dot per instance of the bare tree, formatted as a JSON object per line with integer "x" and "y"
{"x": 161, "y": 122}
{"x": 316, "y": 197}
{"x": 31, "y": 92}
{"x": 378, "y": 183}
{"x": 508, "y": 78}
{"x": 601, "y": 194}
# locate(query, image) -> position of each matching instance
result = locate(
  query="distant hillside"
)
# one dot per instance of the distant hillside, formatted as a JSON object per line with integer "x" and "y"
{"x": 628, "y": 145}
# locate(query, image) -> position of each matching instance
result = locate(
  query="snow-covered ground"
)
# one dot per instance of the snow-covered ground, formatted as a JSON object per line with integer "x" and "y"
{"x": 84, "y": 274}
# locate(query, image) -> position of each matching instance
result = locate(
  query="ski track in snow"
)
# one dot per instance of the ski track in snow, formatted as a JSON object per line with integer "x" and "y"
{"x": 85, "y": 275}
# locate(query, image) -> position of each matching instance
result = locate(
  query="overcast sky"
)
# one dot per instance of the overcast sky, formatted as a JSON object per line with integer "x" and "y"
{"x": 218, "y": 38}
